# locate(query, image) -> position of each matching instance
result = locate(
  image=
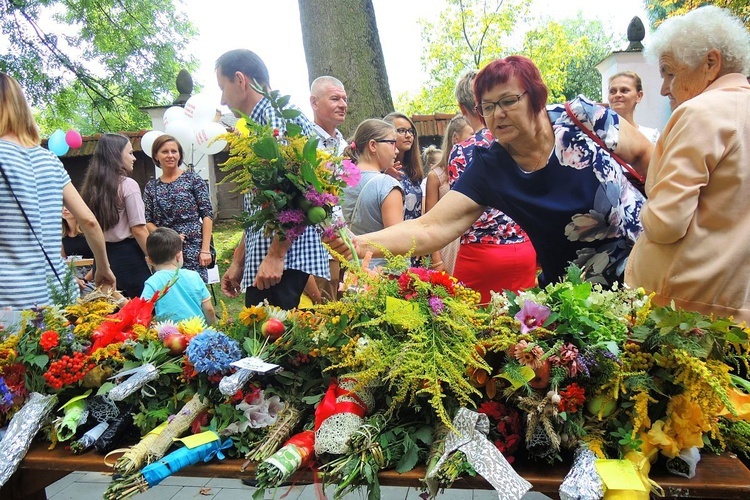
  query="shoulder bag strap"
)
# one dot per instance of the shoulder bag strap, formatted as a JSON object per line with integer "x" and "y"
{"x": 26, "y": 217}
{"x": 597, "y": 140}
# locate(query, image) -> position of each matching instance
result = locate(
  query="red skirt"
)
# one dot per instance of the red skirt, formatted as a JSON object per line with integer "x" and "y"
{"x": 486, "y": 267}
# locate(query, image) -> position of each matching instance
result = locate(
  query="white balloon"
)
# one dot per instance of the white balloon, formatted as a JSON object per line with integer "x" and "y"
{"x": 200, "y": 109}
{"x": 174, "y": 113}
{"x": 205, "y": 135}
{"x": 182, "y": 130}
{"x": 148, "y": 140}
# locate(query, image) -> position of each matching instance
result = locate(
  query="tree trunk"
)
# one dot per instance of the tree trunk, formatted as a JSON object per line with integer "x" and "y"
{"x": 341, "y": 40}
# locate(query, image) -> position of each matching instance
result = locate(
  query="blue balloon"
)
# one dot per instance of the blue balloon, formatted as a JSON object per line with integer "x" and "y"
{"x": 57, "y": 143}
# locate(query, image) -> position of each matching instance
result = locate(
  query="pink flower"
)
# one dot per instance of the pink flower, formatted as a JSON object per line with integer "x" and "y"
{"x": 532, "y": 315}
{"x": 351, "y": 173}
{"x": 437, "y": 305}
{"x": 528, "y": 354}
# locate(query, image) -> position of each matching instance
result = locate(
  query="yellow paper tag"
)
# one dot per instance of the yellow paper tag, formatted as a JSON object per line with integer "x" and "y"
{"x": 526, "y": 371}
{"x": 619, "y": 475}
{"x": 198, "y": 439}
{"x": 394, "y": 305}
{"x": 157, "y": 430}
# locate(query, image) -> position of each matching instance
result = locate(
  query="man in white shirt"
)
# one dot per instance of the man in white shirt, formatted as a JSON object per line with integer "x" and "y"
{"x": 329, "y": 104}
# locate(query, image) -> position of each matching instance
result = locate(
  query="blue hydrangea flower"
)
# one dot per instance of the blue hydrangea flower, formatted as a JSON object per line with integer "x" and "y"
{"x": 212, "y": 352}
{"x": 6, "y": 396}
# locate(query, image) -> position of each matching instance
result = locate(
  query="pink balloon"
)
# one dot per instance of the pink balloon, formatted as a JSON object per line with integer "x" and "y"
{"x": 73, "y": 139}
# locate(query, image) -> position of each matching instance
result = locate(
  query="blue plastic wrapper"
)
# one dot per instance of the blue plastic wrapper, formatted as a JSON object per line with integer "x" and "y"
{"x": 156, "y": 472}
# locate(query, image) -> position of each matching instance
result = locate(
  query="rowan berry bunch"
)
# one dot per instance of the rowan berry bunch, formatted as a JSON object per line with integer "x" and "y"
{"x": 68, "y": 370}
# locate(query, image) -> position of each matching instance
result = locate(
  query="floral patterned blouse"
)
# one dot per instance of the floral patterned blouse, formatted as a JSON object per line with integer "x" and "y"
{"x": 181, "y": 205}
{"x": 412, "y": 199}
{"x": 493, "y": 227}
{"x": 579, "y": 209}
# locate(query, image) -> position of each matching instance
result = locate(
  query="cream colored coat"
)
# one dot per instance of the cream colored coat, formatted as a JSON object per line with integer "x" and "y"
{"x": 695, "y": 248}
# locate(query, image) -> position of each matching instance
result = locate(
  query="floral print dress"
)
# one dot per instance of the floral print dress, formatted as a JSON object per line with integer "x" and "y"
{"x": 181, "y": 205}
{"x": 580, "y": 208}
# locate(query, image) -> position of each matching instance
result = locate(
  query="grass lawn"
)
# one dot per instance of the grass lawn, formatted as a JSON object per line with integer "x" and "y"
{"x": 227, "y": 234}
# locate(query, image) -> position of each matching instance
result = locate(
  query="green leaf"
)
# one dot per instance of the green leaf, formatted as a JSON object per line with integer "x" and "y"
{"x": 310, "y": 151}
{"x": 410, "y": 458}
{"x": 266, "y": 148}
{"x": 292, "y": 129}
{"x": 423, "y": 434}
{"x": 308, "y": 174}
{"x": 40, "y": 360}
{"x": 105, "y": 388}
{"x": 290, "y": 113}
{"x": 168, "y": 368}
{"x": 283, "y": 101}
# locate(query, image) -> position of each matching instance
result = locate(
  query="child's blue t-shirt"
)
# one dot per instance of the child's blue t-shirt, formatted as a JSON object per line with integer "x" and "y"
{"x": 184, "y": 298}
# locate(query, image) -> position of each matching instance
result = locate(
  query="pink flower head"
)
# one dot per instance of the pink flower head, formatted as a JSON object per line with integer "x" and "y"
{"x": 351, "y": 173}
{"x": 293, "y": 216}
{"x": 528, "y": 354}
{"x": 320, "y": 199}
{"x": 437, "y": 305}
{"x": 532, "y": 315}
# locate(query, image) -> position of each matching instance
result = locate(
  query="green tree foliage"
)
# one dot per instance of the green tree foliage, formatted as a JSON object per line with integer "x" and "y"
{"x": 566, "y": 54}
{"x": 90, "y": 64}
{"x": 467, "y": 35}
{"x": 659, "y": 10}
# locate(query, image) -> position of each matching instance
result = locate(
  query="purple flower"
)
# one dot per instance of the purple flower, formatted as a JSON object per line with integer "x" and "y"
{"x": 329, "y": 232}
{"x": 437, "y": 305}
{"x": 532, "y": 315}
{"x": 293, "y": 216}
{"x": 320, "y": 199}
{"x": 351, "y": 173}
{"x": 295, "y": 232}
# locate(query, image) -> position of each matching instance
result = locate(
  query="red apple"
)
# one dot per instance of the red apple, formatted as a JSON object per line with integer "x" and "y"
{"x": 176, "y": 343}
{"x": 272, "y": 328}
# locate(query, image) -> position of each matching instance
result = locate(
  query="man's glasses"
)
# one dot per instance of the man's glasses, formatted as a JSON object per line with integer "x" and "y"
{"x": 487, "y": 109}
{"x": 392, "y": 142}
{"x": 406, "y": 131}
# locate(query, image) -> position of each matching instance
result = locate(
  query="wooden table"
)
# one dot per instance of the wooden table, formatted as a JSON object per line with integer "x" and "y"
{"x": 718, "y": 476}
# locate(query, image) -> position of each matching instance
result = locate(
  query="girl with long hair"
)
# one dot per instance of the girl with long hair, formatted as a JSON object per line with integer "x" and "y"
{"x": 115, "y": 199}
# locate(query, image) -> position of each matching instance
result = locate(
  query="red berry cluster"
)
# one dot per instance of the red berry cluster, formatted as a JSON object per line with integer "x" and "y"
{"x": 68, "y": 370}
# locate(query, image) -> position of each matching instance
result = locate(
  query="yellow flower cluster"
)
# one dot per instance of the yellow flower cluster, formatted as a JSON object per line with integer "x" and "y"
{"x": 89, "y": 316}
{"x": 682, "y": 429}
{"x": 114, "y": 352}
{"x": 8, "y": 351}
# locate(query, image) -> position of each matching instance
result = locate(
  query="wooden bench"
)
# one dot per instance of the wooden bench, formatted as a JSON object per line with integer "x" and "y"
{"x": 718, "y": 476}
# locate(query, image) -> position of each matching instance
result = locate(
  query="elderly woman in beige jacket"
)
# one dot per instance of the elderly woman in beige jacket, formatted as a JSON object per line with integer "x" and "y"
{"x": 694, "y": 250}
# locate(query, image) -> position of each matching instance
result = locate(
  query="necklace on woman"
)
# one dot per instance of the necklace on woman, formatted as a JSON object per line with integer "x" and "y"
{"x": 544, "y": 154}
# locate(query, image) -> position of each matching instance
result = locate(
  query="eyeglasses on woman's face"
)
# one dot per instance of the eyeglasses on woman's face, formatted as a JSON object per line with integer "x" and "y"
{"x": 508, "y": 103}
{"x": 392, "y": 142}
{"x": 406, "y": 131}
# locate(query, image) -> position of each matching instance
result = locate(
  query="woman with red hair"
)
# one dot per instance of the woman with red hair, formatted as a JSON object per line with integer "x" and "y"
{"x": 547, "y": 173}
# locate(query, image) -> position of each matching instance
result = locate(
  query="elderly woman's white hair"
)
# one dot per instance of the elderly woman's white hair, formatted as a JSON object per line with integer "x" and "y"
{"x": 689, "y": 37}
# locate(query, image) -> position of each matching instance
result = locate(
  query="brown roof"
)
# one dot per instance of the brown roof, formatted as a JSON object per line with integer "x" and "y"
{"x": 432, "y": 124}
{"x": 89, "y": 144}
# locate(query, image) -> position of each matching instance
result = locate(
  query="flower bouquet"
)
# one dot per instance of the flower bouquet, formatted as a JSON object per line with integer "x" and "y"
{"x": 290, "y": 182}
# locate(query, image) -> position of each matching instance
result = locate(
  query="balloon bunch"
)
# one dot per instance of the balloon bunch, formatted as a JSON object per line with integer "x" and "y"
{"x": 194, "y": 127}
{"x": 60, "y": 142}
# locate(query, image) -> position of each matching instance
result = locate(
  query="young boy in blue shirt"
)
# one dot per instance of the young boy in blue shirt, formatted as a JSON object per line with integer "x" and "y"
{"x": 188, "y": 296}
